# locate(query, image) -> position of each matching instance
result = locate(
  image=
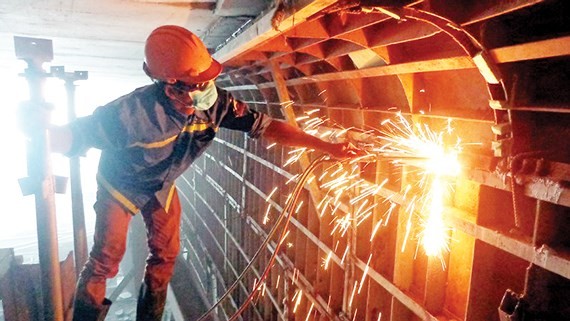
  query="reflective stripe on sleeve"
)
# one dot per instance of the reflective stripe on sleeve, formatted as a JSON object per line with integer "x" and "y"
{"x": 198, "y": 127}
{"x": 159, "y": 144}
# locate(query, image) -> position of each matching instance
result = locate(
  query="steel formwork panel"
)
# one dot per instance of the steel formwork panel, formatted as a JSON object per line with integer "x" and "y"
{"x": 506, "y": 216}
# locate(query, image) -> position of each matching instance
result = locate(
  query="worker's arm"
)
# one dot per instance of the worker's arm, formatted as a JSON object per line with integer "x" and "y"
{"x": 284, "y": 134}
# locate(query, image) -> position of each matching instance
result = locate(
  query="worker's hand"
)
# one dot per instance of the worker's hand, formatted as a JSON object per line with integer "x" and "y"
{"x": 344, "y": 150}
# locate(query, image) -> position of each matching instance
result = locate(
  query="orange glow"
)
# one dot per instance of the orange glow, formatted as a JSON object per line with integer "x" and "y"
{"x": 434, "y": 236}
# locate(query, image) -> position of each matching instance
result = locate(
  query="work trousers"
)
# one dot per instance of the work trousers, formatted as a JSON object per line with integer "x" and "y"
{"x": 111, "y": 226}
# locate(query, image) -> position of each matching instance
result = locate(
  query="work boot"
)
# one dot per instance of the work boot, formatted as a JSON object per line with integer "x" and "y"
{"x": 84, "y": 311}
{"x": 150, "y": 305}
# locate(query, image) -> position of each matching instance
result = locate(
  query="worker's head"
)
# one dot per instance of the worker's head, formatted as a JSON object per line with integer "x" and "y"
{"x": 173, "y": 53}
{"x": 179, "y": 59}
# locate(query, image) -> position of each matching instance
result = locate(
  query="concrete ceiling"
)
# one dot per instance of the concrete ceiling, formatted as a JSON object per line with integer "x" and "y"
{"x": 106, "y": 37}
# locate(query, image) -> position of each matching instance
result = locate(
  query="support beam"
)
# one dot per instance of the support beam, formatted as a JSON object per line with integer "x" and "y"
{"x": 290, "y": 117}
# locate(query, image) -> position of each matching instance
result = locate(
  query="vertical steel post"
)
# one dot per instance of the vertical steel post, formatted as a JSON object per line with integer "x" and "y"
{"x": 41, "y": 181}
{"x": 77, "y": 209}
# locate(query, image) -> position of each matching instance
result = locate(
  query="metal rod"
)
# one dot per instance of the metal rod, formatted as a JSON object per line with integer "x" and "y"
{"x": 78, "y": 213}
{"x": 39, "y": 170}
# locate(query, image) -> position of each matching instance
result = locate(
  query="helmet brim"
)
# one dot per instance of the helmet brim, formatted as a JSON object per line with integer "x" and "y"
{"x": 209, "y": 74}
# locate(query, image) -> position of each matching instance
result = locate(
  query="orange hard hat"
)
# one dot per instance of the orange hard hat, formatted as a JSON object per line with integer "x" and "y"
{"x": 173, "y": 53}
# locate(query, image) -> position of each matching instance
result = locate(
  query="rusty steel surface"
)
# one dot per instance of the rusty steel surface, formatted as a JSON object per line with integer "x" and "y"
{"x": 494, "y": 71}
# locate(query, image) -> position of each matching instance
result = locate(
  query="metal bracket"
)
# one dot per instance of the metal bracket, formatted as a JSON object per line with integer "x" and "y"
{"x": 34, "y": 50}
{"x": 511, "y": 308}
{"x": 29, "y": 185}
{"x": 59, "y": 72}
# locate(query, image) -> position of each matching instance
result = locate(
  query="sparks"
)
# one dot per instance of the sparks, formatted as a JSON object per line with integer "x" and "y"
{"x": 431, "y": 164}
{"x": 266, "y": 216}
{"x": 271, "y": 194}
{"x": 310, "y": 311}
{"x": 327, "y": 260}
{"x": 434, "y": 236}
{"x": 364, "y": 273}
{"x": 353, "y": 294}
{"x": 299, "y": 296}
{"x": 417, "y": 145}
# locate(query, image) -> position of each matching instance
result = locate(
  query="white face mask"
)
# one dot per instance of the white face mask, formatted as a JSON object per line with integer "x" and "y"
{"x": 204, "y": 99}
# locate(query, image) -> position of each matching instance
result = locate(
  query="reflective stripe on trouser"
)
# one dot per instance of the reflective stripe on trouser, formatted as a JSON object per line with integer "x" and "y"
{"x": 163, "y": 239}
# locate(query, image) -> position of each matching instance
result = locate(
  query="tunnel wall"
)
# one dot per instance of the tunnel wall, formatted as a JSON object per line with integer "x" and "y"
{"x": 494, "y": 71}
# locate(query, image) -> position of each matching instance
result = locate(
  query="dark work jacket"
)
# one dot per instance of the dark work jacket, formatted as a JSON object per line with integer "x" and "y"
{"x": 146, "y": 144}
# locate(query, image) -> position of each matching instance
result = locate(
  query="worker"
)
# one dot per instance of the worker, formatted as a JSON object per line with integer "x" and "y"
{"x": 148, "y": 138}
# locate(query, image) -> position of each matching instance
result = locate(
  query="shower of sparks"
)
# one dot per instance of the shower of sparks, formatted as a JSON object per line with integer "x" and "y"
{"x": 355, "y": 314}
{"x": 311, "y": 179}
{"x": 434, "y": 236}
{"x": 403, "y": 143}
{"x": 271, "y": 194}
{"x": 297, "y": 298}
{"x": 310, "y": 112}
{"x": 310, "y": 311}
{"x": 344, "y": 255}
{"x": 349, "y": 200}
{"x": 286, "y": 104}
{"x": 296, "y": 155}
{"x": 266, "y": 216}
{"x": 327, "y": 260}
{"x": 292, "y": 179}
{"x": 353, "y": 293}
{"x": 314, "y": 123}
{"x": 284, "y": 238}
{"x": 295, "y": 275}
{"x": 417, "y": 145}
{"x": 341, "y": 224}
{"x": 364, "y": 273}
